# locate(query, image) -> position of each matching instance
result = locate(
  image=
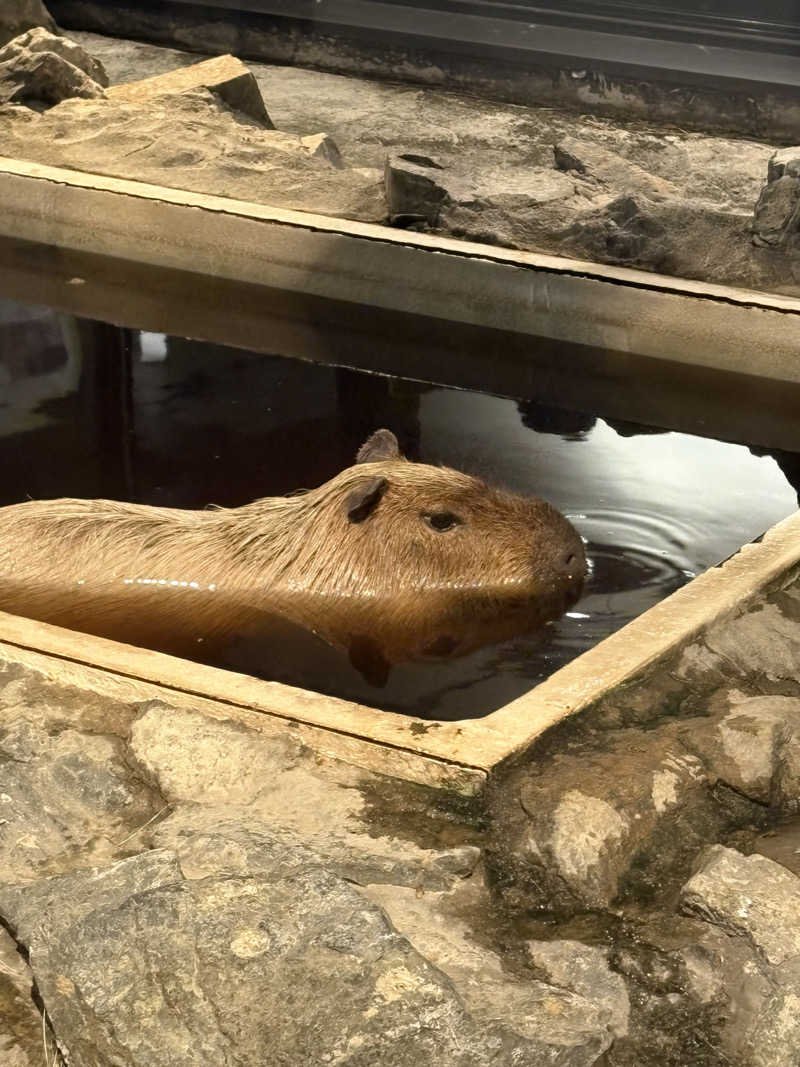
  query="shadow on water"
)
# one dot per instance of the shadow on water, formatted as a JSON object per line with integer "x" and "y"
{"x": 92, "y": 410}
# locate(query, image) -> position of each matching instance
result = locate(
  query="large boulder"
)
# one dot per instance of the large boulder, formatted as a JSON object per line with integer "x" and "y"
{"x": 137, "y": 965}
{"x": 484, "y": 203}
{"x": 563, "y": 999}
{"x": 620, "y": 816}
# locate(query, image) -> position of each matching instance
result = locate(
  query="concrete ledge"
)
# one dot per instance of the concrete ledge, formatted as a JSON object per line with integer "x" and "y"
{"x": 619, "y": 310}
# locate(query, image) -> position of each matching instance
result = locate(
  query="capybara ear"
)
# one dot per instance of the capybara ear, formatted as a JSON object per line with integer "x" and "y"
{"x": 380, "y": 445}
{"x": 364, "y": 498}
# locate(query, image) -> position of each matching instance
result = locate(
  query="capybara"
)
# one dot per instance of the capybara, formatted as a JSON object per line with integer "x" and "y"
{"x": 390, "y": 561}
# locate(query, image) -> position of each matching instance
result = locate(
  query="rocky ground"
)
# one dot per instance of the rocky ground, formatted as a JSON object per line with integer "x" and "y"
{"x": 183, "y": 889}
{"x": 688, "y": 204}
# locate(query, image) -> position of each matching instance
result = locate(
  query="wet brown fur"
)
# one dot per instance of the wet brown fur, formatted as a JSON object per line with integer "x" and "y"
{"x": 125, "y": 571}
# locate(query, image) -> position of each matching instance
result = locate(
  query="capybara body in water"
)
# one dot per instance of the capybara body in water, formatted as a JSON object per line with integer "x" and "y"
{"x": 390, "y": 561}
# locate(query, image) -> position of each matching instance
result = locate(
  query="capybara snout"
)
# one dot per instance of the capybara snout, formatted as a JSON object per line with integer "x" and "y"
{"x": 389, "y": 560}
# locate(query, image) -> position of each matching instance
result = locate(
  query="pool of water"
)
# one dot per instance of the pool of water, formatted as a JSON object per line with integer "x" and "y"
{"x": 88, "y": 409}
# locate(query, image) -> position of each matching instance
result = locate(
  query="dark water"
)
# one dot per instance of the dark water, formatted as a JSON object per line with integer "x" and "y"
{"x": 93, "y": 410}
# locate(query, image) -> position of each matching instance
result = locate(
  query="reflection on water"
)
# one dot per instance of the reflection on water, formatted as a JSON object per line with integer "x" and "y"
{"x": 177, "y": 423}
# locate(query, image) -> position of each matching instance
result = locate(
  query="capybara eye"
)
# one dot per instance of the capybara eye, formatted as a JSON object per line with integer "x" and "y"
{"x": 441, "y": 520}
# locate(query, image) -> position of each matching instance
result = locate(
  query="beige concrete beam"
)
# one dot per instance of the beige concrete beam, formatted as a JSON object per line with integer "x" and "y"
{"x": 623, "y": 311}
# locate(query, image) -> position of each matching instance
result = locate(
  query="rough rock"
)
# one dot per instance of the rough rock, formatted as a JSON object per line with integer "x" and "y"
{"x": 763, "y": 641}
{"x": 137, "y": 966}
{"x": 226, "y": 76}
{"x": 777, "y": 213}
{"x": 20, "y": 1022}
{"x": 625, "y": 231}
{"x": 750, "y": 897}
{"x": 41, "y": 40}
{"x": 621, "y": 814}
{"x": 231, "y": 785}
{"x": 193, "y": 141}
{"x": 413, "y": 191}
{"x": 786, "y": 161}
{"x": 751, "y": 905}
{"x": 486, "y": 204}
{"x": 40, "y": 70}
{"x": 43, "y": 704}
{"x": 321, "y": 146}
{"x": 776, "y": 219}
{"x": 625, "y": 814}
{"x": 695, "y": 994}
{"x": 17, "y": 16}
{"x": 500, "y": 157}
{"x": 754, "y": 748}
{"x": 781, "y": 843}
{"x": 610, "y": 169}
{"x": 566, "y": 1025}
{"x": 63, "y": 796}
{"x": 584, "y": 970}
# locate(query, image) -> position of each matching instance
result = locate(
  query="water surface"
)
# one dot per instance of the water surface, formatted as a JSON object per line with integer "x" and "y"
{"x": 88, "y": 409}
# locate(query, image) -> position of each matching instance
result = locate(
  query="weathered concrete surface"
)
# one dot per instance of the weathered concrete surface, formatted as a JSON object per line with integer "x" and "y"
{"x": 17, "y": 16}
{"x": 659, "y": 199}
{"x": 192, "y": 140}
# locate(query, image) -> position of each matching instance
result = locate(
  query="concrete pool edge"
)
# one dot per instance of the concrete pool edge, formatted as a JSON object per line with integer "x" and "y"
{"x": 356, "y": 262}
{"x": 454, "y": 756}
{"x": 617, "y": 309}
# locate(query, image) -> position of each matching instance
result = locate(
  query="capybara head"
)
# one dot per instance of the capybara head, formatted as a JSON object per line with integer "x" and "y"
{"x": 428, "y": 562}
